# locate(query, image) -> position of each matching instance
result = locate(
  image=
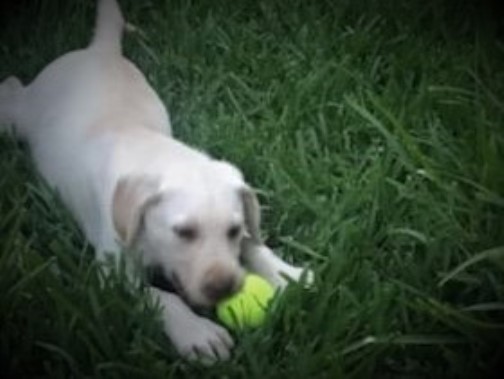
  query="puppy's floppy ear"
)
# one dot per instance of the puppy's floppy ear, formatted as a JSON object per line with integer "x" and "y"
{"x": 252, "y": 214}
{"x": 133, "y": 195}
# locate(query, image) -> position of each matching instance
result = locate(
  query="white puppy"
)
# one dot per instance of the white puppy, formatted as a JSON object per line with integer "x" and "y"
{"x": 101, "y": 137}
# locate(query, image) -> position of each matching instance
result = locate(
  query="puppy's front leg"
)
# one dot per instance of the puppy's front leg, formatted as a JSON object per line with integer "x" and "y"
{"x": 194, "y": 337}
{"x": 262, "y": 260}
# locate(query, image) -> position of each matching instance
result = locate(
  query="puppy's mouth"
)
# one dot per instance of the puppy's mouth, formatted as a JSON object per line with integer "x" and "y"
{"x": 171, "y": 282}
{"x": 156, "y": 277}
{"x": 177, "y": 285}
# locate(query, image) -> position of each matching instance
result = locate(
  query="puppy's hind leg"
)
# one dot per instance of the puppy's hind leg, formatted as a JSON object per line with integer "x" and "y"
{"x": 11, "y": 91}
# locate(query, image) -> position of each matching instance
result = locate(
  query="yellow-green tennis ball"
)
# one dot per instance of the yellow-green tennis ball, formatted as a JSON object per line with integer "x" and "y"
{"x": 247, "y": 308}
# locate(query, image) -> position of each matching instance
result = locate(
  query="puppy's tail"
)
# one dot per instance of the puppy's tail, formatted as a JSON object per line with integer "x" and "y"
{"x": 109, "y": 27}
{"x": 11, "y": 96}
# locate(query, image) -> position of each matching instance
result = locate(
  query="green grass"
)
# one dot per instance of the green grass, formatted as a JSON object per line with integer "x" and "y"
{"x": 375, "y": 133}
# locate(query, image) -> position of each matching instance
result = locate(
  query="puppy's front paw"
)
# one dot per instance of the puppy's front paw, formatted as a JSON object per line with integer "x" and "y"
{"x": 262, "y": 260}
{"x": 304, "y": 273}
{"x": 199, "y": 339}
{"x": 295, "y": 274}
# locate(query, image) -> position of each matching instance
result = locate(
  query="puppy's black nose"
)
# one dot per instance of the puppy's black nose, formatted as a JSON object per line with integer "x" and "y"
{"x": 219, "y": 289}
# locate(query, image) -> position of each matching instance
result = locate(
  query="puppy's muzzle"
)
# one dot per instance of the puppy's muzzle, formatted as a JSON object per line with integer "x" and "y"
{"x": 220, "y": 282}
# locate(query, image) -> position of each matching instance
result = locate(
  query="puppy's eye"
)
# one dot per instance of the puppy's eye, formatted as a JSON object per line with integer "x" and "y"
{"x": 234, "y": 232}
{"x": 188, "y": 233}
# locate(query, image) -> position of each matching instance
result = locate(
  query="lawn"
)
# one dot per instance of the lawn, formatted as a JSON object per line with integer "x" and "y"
{"x": 374, "y": 133}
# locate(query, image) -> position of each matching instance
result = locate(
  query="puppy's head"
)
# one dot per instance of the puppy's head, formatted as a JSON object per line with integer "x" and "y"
{"x": 193, "y": 231}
